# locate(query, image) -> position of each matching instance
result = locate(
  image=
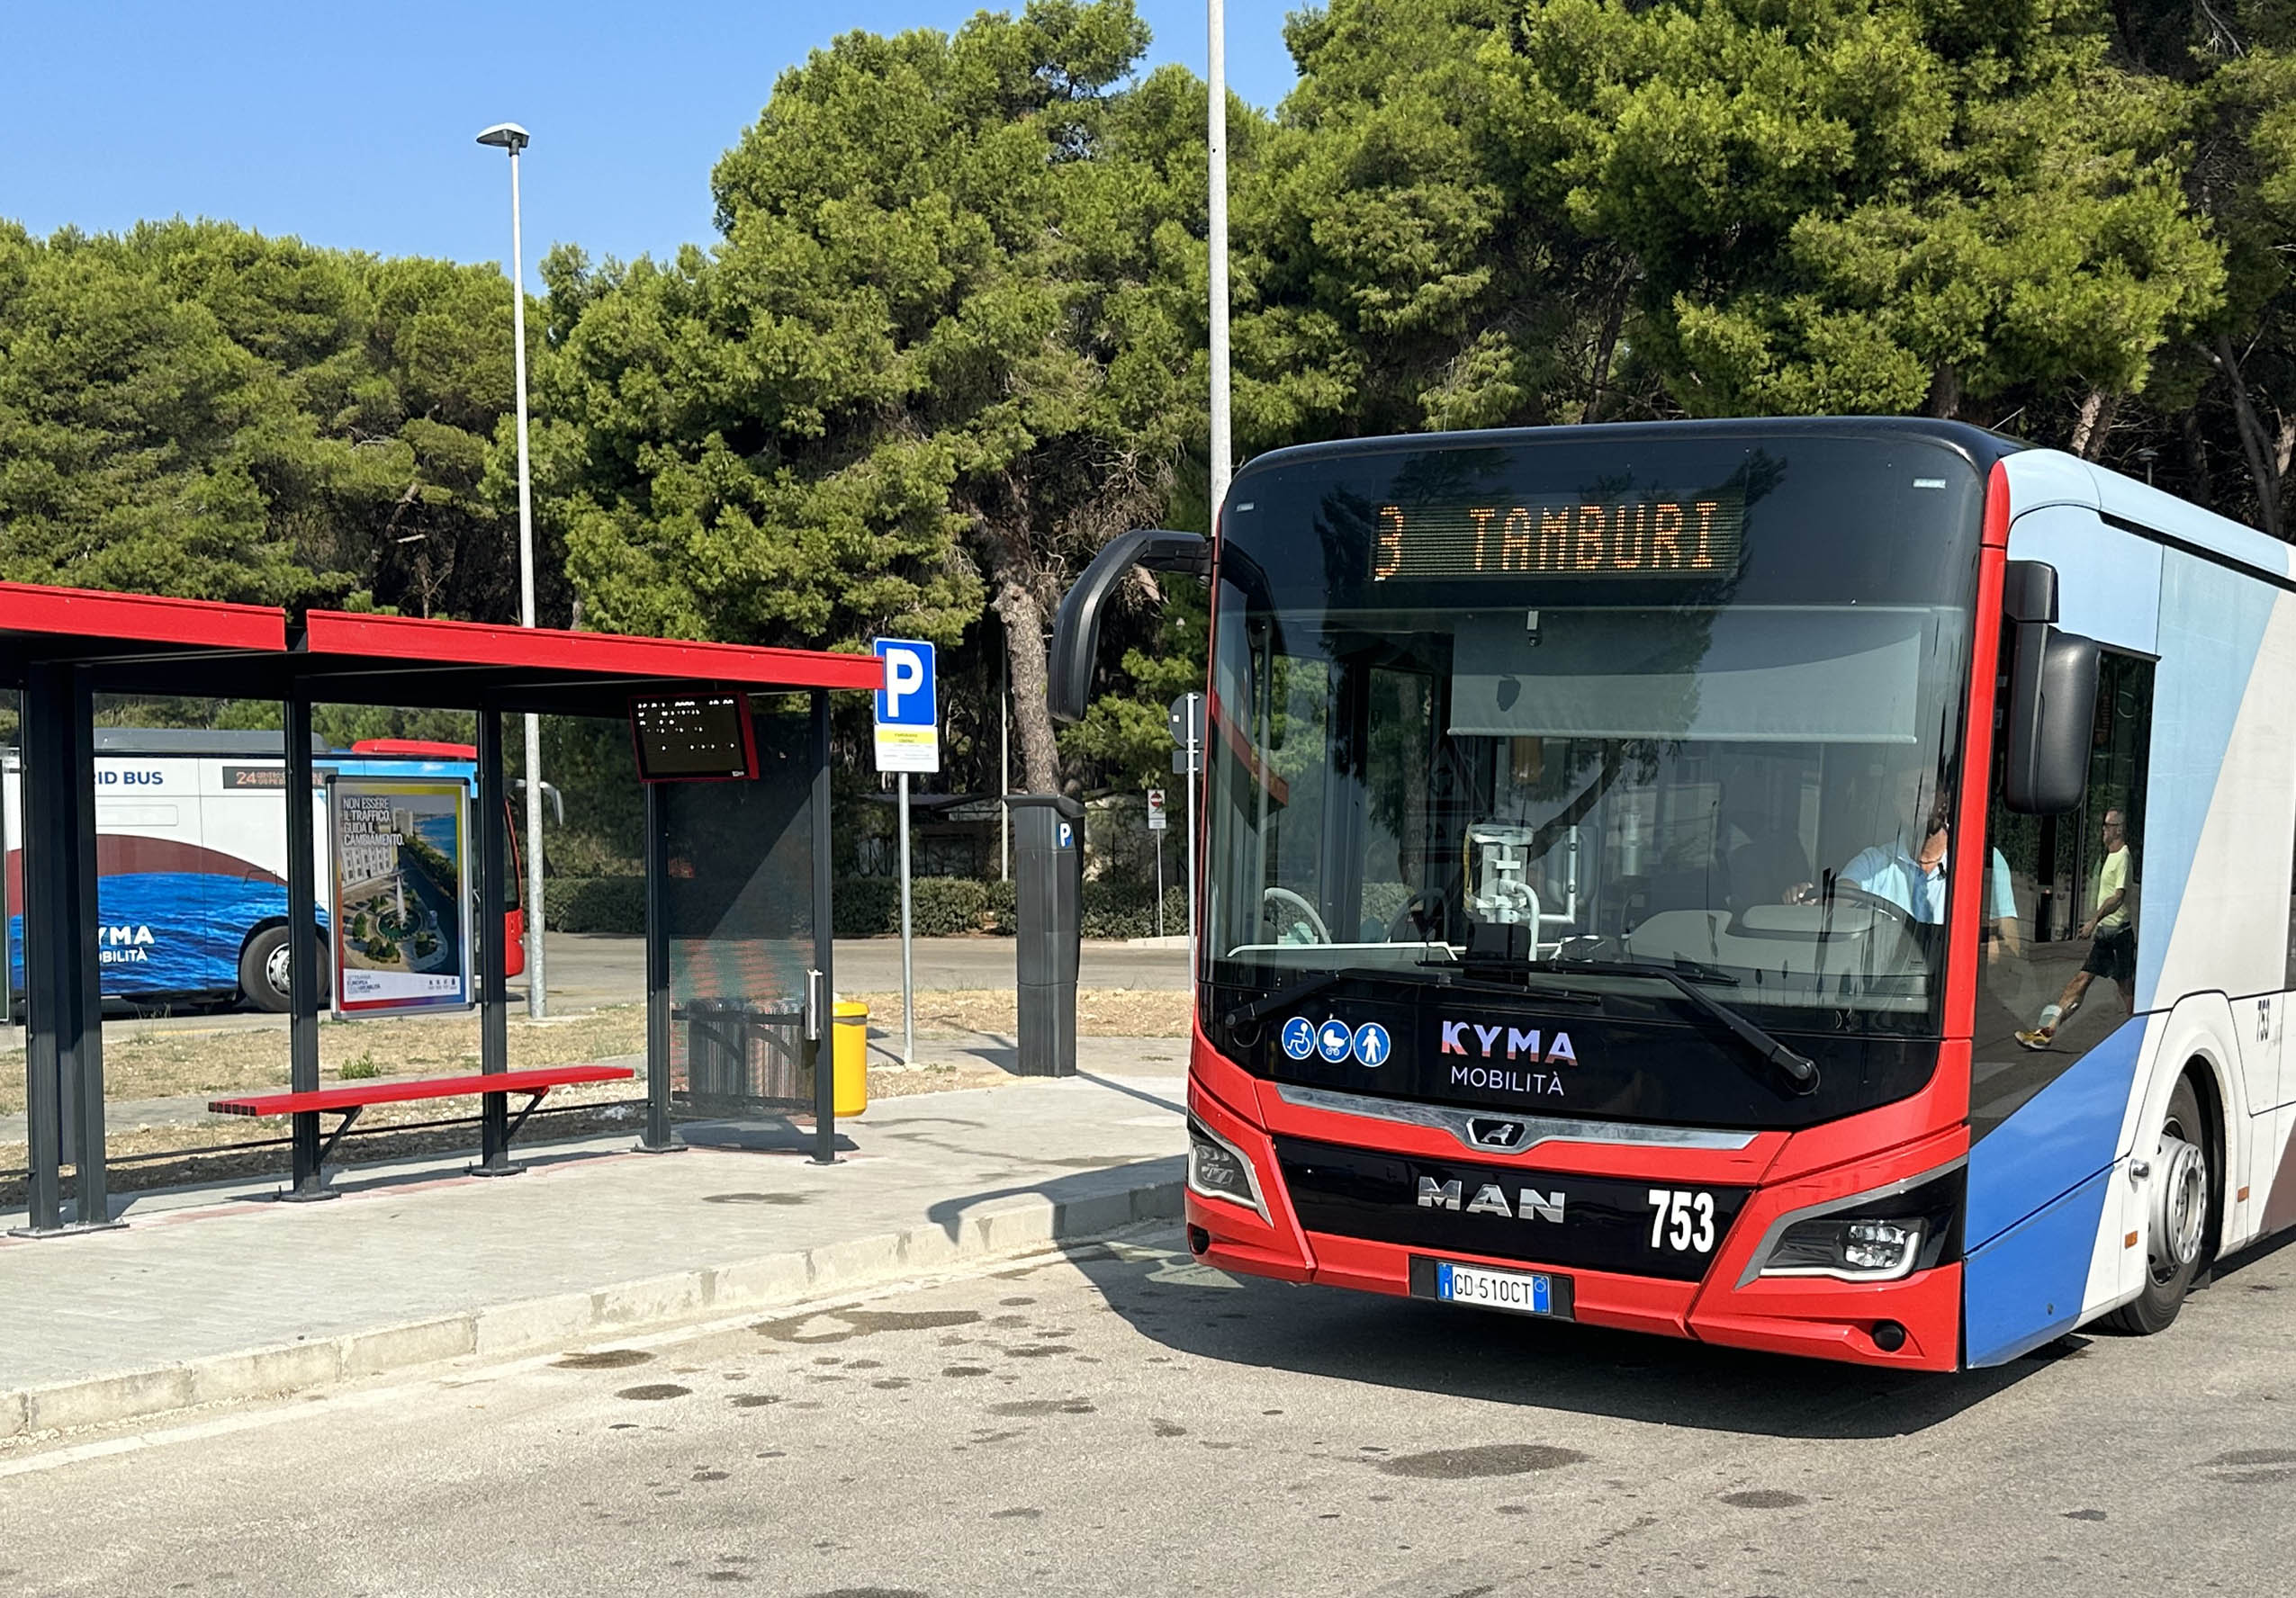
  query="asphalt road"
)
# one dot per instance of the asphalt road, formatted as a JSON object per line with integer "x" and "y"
{"x": 587, "y": 969}
{"x": 1122, "y": 1421}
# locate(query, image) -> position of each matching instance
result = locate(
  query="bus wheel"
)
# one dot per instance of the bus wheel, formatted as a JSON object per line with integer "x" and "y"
{"x": 2177, "y": 1228}
{"x": 263, "y": 969}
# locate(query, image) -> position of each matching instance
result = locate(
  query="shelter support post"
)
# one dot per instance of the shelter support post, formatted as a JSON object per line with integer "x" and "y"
{"x": 821, "y": 997}
{"x": 64, "y": 1035}
{"x": 660, "y": 1136}
{"x": 310, "y": 1181}
{"x": 494, "y": 953}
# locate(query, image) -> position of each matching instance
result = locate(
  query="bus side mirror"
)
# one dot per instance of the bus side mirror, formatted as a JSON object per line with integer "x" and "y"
{"x": 2052, "y": 698}
{"x": 1076, "y": 630}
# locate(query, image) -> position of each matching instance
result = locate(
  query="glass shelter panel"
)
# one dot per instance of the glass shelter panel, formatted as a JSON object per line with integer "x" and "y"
{"x": 740, "y": 930}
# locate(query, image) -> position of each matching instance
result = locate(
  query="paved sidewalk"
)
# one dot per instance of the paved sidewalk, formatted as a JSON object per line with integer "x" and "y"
{"x": 222, "y": 1294}
{"x": 1103, "y": 1055}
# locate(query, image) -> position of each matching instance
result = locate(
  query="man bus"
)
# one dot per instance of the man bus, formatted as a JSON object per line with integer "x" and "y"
{"x": 1544, "y": 961}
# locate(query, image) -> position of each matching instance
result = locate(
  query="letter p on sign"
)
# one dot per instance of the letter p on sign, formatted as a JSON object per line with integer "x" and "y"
{"x": 908, "y": 732}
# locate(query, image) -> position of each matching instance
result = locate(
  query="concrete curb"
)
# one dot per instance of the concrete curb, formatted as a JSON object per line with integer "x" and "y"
{"x": 534, "y": 1325}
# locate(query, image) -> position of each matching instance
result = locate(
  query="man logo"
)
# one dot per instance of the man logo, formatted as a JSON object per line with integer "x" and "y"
{"x": 1496, "y": 1134}
{"x": 1530, "y": 1205}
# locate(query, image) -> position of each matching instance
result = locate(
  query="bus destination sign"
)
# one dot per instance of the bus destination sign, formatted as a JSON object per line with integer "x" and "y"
{"x": 1644, "y": 536}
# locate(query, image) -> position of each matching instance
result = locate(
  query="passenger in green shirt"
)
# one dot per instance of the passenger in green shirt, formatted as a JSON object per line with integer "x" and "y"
{"x": 2114, "y": 952}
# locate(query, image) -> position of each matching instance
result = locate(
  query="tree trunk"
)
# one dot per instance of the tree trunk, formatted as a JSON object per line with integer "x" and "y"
{"x": 1024, "y": 620}
{"x": 2253, "y": 446}
{"x": 1613, "y": 319}
{"x": 2094, "y": 422}
{"x": 1944, "y": 399}
{"x": 2196, "y": 453}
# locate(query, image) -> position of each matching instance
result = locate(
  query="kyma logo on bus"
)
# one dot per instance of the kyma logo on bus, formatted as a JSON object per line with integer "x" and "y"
{"x": 1335, "y": 1041}
{"x": 123, "y": 945}
{"x": 1519, "y": 1047}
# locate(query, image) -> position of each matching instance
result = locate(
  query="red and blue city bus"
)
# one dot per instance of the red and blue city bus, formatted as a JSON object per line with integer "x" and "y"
{"x": 192, "y": 858}
{"x": 1816, "y": 886}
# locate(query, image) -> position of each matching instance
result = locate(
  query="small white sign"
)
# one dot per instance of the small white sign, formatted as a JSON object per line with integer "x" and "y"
{"x": 1156, "y": 810}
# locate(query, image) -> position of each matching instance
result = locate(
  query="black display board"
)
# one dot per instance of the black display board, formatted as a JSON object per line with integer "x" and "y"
{"x": 694, "y": 738}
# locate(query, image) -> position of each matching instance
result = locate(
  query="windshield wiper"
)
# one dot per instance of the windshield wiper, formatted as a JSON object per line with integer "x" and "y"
{"x": 1259, "y": 1010}
{"x": 1684, "y": 976}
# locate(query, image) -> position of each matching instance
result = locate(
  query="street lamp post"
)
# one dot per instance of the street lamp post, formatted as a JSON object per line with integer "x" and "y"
{"x": 512, "y": 137}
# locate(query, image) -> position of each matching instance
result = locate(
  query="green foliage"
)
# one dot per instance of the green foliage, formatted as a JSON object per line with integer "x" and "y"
{"x": 596, "y": 904}
{"x": 192, "y": 409}
{"x": 950, "y": 335}
{"x": 1866, "y": 205}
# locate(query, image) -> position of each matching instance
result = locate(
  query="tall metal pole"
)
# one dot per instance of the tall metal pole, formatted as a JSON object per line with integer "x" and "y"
{"x": 536, "y": 997}
{"x": 1003, "y": 767}
{"x": 1216, "y": 134}
{"x": 1222, "y": 454}
{"x": 908, "y": 976}
{"x": 510, "y": 136}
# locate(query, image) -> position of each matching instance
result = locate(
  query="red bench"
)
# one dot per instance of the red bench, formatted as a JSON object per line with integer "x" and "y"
{"x": 348, "y": 1098}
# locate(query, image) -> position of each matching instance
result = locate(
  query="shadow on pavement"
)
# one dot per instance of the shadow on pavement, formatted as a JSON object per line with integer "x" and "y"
{"x": 1545, "y": 1365}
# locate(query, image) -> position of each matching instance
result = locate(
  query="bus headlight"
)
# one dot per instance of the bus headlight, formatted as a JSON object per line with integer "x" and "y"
{"x": 1882, "y": 1236}
{"x": 1856, "y": 1250}
{"x": 1217, "y": 1169}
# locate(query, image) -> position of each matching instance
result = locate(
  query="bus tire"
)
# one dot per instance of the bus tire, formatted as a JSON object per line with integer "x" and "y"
{"x": 263, "y": 969}
{"x": 2176, "y": 1232}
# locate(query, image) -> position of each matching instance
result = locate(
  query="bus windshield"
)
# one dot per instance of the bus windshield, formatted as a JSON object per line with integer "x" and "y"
{"x": 1692, "y": 703}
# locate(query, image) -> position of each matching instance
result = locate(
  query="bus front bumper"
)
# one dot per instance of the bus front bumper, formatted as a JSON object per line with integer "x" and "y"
{"x": 1246, "y": 1224}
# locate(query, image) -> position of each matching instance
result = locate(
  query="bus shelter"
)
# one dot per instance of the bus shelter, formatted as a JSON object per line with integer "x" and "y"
{"x": 720, "y": 856}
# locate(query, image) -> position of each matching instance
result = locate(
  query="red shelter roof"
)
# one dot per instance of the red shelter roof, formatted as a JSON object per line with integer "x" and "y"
{"x": 152, "y": 644}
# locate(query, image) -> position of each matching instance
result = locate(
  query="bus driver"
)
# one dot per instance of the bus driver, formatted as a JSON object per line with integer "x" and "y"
{"x": 1910, "y": 870}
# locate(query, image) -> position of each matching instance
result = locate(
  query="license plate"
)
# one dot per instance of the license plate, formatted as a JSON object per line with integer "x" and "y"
{"x": 1523, "y": 1292}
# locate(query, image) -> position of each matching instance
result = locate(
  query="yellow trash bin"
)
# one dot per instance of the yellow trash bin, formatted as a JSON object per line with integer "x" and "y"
{"x": 848, "y": 1058}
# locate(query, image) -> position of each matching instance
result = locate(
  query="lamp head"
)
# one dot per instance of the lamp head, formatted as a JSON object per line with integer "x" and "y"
{"x": 507, "y": 136}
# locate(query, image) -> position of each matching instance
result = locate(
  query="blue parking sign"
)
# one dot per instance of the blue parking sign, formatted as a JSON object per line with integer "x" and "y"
{"x": 908, "y": 721}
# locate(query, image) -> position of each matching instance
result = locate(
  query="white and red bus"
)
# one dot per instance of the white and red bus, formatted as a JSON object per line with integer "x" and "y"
{"x": 1812, "y": 886}
{"x": 191, "y": 854}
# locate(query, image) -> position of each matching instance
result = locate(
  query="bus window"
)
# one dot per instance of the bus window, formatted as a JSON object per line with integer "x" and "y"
{"x": 2060, "y": 925}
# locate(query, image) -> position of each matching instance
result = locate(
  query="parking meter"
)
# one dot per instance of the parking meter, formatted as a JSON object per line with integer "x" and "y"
{"x": 1048, "y": 879}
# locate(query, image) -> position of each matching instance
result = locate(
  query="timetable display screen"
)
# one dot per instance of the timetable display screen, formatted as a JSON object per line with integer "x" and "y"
{"x": 694, "y": 738}
{"x": 1700, "y": 534}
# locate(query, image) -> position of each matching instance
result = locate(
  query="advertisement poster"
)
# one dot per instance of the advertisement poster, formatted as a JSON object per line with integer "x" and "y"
{"x": 398, "y": 894}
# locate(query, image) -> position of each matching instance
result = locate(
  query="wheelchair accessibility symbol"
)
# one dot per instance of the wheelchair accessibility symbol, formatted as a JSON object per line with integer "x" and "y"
{"x": 1370, "y": 1044}
{"x": 1298, "y": 1037}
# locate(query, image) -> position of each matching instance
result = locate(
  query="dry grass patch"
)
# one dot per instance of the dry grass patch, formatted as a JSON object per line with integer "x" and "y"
{"x": 235, "y": 1057}
{"x": 992, "y": 1012}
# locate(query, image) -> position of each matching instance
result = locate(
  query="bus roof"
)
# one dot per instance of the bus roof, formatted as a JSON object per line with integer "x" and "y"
{"x": 1980, "y": 445}
{"x": 197, "y": 741}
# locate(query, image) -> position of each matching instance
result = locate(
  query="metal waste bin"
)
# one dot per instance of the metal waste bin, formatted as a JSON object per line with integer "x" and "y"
{"x": 1048, "y": 879}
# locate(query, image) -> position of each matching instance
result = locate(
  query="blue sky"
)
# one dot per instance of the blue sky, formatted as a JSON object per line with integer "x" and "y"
{"x": 351, "y": 126}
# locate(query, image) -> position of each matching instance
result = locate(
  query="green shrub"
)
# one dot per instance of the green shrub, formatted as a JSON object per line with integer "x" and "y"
{"x": 595, "y": 904}
{"x": 1121, "y": 909}
{"x": 939, "y": 906}
{"x": 866, "y": 906}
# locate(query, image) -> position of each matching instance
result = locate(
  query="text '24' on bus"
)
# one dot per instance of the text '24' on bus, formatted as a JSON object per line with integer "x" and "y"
{"x": 191, "y": 859}
{"x": 1816, "y": 885}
